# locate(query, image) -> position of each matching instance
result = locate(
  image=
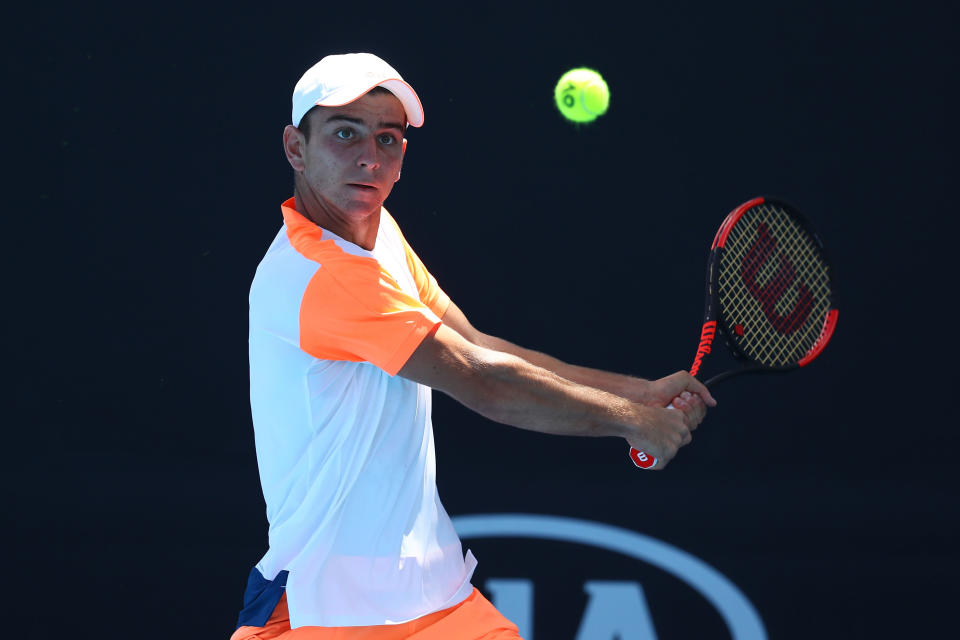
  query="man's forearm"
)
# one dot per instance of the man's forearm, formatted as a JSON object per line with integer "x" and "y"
{"x": 508, "y": 388}
{"x": 636, "y": 389}
{"x": 618, "y": 384}
{"x": 511, "y": 390}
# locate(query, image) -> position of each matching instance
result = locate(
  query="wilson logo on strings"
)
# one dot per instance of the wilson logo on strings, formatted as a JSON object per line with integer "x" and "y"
{"x": 762, "y": 249}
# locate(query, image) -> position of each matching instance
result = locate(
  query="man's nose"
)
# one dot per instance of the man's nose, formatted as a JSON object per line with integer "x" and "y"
{"x": 369, "y": 157}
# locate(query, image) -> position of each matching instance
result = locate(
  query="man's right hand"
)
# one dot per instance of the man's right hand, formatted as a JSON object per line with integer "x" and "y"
{"x": 661, "y": 432}
{"x": 690, "y": 399}
{"x": 660, "y": 393}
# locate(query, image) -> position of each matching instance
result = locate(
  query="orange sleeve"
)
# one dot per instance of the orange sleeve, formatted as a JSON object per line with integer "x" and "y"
{"x": 430, "y": 292}
{"x": 354, "y": 310}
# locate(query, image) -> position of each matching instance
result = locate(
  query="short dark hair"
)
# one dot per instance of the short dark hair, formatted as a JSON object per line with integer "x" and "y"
{"x": 305, "y": 120}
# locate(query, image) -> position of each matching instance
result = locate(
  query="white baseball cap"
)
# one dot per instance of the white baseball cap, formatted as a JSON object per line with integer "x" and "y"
{"x": 340, "y": 79}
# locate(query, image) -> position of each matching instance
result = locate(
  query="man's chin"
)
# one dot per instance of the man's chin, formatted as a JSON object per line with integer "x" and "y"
{"x": 358, "y": 210}
{"x": 364, "y": 203}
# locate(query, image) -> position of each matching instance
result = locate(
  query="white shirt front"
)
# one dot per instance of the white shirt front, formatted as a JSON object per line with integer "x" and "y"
{"x": 344, "y": 445}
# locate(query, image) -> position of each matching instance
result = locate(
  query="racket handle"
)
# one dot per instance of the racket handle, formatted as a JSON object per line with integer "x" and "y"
{"x": 643, "y": 459}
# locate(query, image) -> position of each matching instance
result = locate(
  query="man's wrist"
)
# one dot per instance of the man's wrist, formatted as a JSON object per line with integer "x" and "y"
{"x": 637, "y": 390}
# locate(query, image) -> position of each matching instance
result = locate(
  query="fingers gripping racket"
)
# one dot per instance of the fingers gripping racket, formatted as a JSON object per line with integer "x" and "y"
{"x": 769, "y": 293}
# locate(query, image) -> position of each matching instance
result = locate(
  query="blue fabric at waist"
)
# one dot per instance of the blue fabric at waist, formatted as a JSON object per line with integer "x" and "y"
{"x": 260, "y": 598}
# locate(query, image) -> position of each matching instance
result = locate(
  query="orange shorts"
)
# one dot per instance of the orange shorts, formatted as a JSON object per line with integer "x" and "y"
{"x": 473, "y": 619}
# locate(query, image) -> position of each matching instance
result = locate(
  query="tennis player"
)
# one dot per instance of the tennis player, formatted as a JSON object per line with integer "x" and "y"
{"x": 349, "y": 332}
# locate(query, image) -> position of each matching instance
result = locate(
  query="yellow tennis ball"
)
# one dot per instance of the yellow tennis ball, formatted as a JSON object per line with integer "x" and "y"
{"x": 582, "y": 95}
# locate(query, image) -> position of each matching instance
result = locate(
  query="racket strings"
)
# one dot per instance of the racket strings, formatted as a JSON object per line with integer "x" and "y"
{"x": 773, "y": 287}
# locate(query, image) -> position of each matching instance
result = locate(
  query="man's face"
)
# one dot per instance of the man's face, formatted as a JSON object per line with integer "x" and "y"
{"x": 353, "y": 156}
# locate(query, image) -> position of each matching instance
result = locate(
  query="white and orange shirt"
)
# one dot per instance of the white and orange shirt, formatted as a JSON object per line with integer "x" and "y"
{"x": 344, "y": 445}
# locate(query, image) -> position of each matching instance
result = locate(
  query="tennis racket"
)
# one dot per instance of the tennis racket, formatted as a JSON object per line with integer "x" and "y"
{"x": 769, "y": 292}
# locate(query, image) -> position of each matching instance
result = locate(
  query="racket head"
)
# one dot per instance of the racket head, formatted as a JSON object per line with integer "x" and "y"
{"x": 770, "y": 287}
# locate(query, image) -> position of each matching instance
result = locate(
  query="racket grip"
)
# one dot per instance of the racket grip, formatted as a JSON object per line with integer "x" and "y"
{"x": 643, "y": 459}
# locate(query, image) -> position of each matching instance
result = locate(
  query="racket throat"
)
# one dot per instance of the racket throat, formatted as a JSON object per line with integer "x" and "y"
{"x": 707, "y": 334}
{"x": 726, "y": 375}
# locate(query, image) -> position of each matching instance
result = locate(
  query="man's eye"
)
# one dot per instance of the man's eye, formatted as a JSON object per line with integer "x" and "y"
{"x": 386, "y": 138}
{"x": 345, "y": 134}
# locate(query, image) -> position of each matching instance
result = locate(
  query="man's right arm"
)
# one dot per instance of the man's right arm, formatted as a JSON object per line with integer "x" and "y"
{"x": 508, "y": 389}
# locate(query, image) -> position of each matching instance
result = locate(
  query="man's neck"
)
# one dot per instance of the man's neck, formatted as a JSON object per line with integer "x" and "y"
{"x": 362, "y": 233}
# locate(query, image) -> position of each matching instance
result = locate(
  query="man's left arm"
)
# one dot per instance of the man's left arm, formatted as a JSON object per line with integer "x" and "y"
{"x": 636, "y": 389}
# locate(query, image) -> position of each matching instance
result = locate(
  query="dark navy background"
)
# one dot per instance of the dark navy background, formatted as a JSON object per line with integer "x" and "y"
{"x": 144, "y": 174}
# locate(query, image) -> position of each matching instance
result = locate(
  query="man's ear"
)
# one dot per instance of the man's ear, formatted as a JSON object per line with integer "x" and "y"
{"x": 403, "y": 152}
{"x": 293, "y": 147}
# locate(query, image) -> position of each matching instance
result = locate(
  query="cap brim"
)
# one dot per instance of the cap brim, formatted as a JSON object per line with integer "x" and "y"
{"x": 403, "y": 91}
